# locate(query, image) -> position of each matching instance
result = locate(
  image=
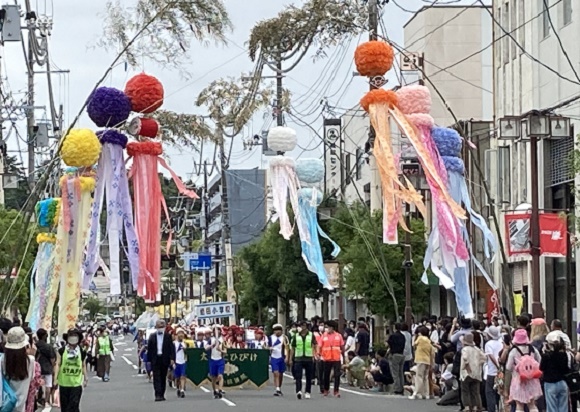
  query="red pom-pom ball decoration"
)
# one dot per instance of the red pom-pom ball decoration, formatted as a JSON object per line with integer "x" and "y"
{"x": 374, "y": 58}
{"x": 145, "y": 93}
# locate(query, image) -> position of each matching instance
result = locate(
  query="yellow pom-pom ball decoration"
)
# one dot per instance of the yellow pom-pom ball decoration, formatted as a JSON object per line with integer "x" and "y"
{"x": 81, "y": 148}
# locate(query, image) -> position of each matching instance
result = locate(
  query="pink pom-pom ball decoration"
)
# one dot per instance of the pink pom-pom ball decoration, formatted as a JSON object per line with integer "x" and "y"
{"x": 414, "y": 99}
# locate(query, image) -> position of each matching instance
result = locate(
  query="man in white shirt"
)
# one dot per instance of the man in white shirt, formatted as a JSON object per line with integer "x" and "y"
{"x": 493, "y": 348}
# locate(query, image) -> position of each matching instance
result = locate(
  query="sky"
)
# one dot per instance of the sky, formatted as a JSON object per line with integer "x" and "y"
{"x": 78, "y": 25}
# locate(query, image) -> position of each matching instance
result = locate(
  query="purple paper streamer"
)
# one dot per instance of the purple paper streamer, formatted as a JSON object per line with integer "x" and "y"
{"x": 112, "y": 181}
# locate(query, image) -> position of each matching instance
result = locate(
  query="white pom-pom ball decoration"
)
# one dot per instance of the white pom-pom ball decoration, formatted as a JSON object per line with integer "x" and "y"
{"x": 310, "y": 170}
{"x": 282, "y": 139}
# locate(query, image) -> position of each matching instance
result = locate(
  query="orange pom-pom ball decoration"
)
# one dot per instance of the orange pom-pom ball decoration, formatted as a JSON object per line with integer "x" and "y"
{"x": 374, "y": 58}
{"x": 379, "y": 96}
{"x": 145, "y": 93}
{"x": 144, "y": 148}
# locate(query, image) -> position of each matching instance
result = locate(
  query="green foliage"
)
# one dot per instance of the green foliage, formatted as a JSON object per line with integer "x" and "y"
{"x": 15, "y": 198}
{"x": 15, "y": 293}
{"x": 360, "y": 236}
{"x": 93, "y": 306}
{"x": 273, "y": 267}
{"x": 167, "y": 28}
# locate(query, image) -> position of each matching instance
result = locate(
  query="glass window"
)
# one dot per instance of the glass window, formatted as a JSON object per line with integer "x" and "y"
{"x": 567, "y": 9}
{"x": 545, "y": 21}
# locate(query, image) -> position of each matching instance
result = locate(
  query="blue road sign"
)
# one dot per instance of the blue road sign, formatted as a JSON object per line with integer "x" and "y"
{"x": 197, "y": 261}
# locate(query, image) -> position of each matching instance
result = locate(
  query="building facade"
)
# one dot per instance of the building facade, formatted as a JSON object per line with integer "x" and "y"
{"x": 522, "y": 85}
{"x": 450, "y": 46}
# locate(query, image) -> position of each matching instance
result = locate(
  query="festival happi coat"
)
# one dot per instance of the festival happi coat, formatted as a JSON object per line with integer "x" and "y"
{"x": 448, "y": 249}
{"x": 109, "y": 108}
{"x": 146, "y": 95}
{"x": 41, "y": 279}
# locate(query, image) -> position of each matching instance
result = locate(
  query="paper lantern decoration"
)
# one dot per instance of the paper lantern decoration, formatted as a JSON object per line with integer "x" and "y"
{"x": 310, "y": 170}
{"x": 143, "y": 126}
{"x": 145, "y": 93}
{"x": 374, "y": 58}
{"x": 149, "y": 201}
{"x": 282, "y": 139}
{"x": 112, "y": 183}
{"x": 81, "y": 148}
{"x": 108, "y": 107}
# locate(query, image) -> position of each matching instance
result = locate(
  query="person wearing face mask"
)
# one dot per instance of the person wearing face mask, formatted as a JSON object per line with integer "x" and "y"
{"x": 302, "y": 349}
{"x": 161, "y": 354}
{"x": 318, "y": 369}
{"x": 71, "y": 372}
{"x": 217, "y": 364}
{"x": 104, "y": 350}
{"x": 278, "y": 344}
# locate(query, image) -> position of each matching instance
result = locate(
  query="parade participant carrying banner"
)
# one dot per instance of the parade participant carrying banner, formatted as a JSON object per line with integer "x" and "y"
{"x": 242, "y": 367}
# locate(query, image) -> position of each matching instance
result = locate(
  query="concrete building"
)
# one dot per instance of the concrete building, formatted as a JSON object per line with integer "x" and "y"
{"x": 450, "y": 43}
{"x": 522, "y": 85}
{"x": 249, "y": 211}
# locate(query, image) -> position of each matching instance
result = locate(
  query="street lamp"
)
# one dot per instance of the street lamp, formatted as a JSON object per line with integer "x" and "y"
{"x": 413, "y": 171}
{"x": 538, "y": 125}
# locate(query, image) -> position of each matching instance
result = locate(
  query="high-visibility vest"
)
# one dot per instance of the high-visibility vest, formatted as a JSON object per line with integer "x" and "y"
{"x": 303, "y": 345}
{"x": 70, "y": 373}
{"x": 104, "y": 345}
{"x": 330, "y": 346}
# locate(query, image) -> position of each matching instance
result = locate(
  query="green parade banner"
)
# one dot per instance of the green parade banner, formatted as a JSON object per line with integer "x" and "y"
{"x": 243, "y": 366}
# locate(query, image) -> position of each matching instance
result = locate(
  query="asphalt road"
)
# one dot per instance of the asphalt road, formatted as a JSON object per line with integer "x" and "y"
{"x": 129, "y": 392}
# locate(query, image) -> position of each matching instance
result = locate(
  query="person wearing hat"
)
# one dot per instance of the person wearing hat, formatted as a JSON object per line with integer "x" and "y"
{"x": 278, "y": 344}
{"x": 471, "y": 373}
{"x": 18, "y": 365}
{"x": 104, "y": 350}
{"x": 259, "y": 342}
{"x": 302, "y": 350}
{"x": 71, "y": 372}
{"x": 180, "y": 361}
{"x": 523, "y": 391}
{"x": 493, "y": 348}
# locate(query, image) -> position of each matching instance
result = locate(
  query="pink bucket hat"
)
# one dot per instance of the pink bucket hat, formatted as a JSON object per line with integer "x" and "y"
{"x": 521, "y": 337}
{"x": 538, "y": 321}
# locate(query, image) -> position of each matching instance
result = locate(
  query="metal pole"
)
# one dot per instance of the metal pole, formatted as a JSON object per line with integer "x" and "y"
{"x": 205, "y": 199}
{"x": 30, "y": 112}
{"x": 537, "y": 310}
{"x": 408, "y": 268}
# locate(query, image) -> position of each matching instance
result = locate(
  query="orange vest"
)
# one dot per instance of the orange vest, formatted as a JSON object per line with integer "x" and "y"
{"x": 330, "y": 346}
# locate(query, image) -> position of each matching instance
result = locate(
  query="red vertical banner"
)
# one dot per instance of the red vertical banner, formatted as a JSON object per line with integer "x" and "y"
{"x": 553, "y": 234}
{"x": 517, "y": 230}
{"x": 492, "y": 304}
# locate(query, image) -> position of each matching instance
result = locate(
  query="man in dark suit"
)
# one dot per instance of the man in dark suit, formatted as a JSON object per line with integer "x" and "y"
{"x": 161, "y": 354}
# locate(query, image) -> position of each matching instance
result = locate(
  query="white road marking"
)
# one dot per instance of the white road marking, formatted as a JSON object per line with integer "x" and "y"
{"x": 127, "y": 360}
{"x": 226, "y": 401}
{"x": 135, "y": 366}
{"x": 128, "y": 349}
{"x": 47, "y": 408}
{"x": 368, "y": 395}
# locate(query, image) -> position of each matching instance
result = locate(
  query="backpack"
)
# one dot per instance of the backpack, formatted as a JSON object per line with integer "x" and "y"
{"x": 9, "y": 399}
{"x": 528, "y": 368}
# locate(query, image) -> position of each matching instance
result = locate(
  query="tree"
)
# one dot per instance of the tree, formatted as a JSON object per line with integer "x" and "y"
{"x": 15, "y": 198}
{"x": 274, "y": 268}
{"x": 374, "y": 270}
{"x": 166, "y": 28}
{"x": 15, "y": 294}
{"x": 93, "y": 306}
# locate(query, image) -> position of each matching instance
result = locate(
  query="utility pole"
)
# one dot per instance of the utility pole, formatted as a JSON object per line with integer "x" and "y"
{"x": 206, "y": 245}
{"x": 226, "y": 230}
{"x": 2, "y": 145}
{"x": 537, "y": 310}
{"x": 31, "y": 22}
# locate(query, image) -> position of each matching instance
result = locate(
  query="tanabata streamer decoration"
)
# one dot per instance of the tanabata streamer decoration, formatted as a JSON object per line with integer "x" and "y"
{"x": 112, "y": 184}
{"x": 146, "y": 95}
{"x": 283, "y": 179}
{"x": 445, "y": 238}
{"x": 311, "y": 172}
{"x": 80, "y": 150}
{"x": 41, "y": 277}
{"x": 373, "y": 59}
{"x": 449, "y": 144}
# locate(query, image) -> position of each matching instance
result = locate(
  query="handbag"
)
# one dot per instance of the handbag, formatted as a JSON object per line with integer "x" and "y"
{"x": 9, "y": 399}
{"x": 573, "y": 382}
